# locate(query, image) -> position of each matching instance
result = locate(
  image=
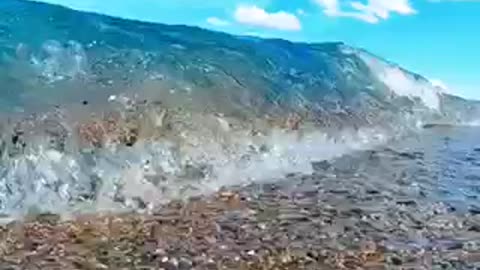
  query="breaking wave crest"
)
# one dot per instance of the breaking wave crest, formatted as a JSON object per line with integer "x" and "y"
{"x": 138, "y": 159}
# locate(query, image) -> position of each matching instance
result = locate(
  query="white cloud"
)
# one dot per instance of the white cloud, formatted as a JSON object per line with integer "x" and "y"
{"x": 255, "y": 16}
{"x": 383, "y": 8}
{"x": 301, "y": 12}
{"x": 217, "y": 21}
{"x": 372, "y": 11}
{"x": 329, "y": 6}
{"x": 439, "y": 1}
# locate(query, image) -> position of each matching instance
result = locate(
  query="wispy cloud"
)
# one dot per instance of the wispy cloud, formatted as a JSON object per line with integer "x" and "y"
{"x": 329, "y": 6}
{"x": 372, "y": 11}
{"x": 217, "y": 22}
{"x": 301, "y": 12}
{"x": 463, "y": 1}
{"x": 256, "y": 16}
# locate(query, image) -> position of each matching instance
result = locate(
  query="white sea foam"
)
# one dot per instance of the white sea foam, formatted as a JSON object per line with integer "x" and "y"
{"x": 440, "y": 85}
{"x": 56, "y": 61}
{"x": 158, "y": 171}
{"x": 402, "y": 83}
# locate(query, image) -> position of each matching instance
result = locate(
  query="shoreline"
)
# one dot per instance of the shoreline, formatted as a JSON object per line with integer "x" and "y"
{"x": 390, "y": 208}
{"x": 231, "y": 230}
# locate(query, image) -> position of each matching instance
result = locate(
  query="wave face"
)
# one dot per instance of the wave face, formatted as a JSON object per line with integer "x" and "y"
{"x": 101, "y": 112}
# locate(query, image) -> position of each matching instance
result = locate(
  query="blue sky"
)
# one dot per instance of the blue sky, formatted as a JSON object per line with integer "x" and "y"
{"x": 436, "y": 38}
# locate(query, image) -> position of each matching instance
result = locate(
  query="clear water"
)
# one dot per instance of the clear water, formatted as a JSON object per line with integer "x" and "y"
{"x": 415, "y": 195}
{"x": 437, "y": 165}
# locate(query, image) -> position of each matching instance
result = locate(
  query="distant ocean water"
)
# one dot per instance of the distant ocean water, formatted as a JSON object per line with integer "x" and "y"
{"x": 438, "y": 165}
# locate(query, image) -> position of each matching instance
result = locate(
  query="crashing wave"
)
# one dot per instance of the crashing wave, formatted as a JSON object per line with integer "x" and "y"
{"x": 138, "y": 158}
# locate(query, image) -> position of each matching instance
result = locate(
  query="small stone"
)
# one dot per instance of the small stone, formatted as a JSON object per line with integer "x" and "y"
{"x": 160, "y": 251}
{"x": 226, "y": 194}
{"x": 292, "y": 217}
{"x": 174, "y": 262}
{"x": 100, "y": 266}
{"x": 47, "y": 218}
{"x": 321, "y": 166}
{"x": 395, "y": 261}
{"x": 474, "y": 211}
{"x": 470, "y": 246}
{"x": 185, "y": 264}
{"x": 474, "y": 228}
{"x": 407, "y": 203}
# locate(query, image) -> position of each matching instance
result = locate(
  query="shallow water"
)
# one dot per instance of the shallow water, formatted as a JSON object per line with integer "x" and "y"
{"x": 408, "y": 205}
{"x": 440, "y": 164}
{"x": 419, "y": 193}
